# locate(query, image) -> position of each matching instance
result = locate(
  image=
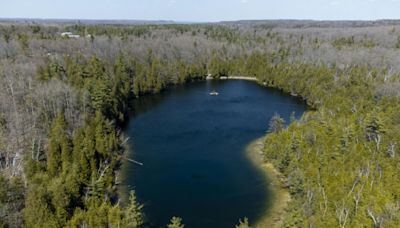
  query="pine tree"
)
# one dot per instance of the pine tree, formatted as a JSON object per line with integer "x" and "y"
{"x": 96, "y": 68}
{"x": 59, "y": 154}
{"x": 133, "y": 213}
{"x": 38, "y": 210}
{"x": 276, "y": 124}
{"x": 105, "y": 136}
{"x": 121, "y": 88}
{"x": 176, "y": 222}
{"x": 100, "y": 96}
{"x": 243, "y": 223}
{"x": 374, "y": 129}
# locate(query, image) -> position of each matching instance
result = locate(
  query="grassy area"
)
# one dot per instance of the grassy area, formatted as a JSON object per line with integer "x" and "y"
{"x": 273, "y": 217}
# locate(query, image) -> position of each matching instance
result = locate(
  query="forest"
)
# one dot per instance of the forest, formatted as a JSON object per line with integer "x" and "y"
{"x": 64, "y": 101}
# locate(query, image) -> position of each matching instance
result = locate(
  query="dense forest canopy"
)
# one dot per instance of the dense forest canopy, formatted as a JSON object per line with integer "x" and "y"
{"x": 64, "y": 100}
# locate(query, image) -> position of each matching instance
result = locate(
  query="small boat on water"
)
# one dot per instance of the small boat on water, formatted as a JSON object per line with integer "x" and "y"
{"x": 214, "y": 93}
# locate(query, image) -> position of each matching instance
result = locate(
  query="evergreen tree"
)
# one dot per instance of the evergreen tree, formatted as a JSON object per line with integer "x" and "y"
{"x": 59, "y": 154}
{"x": 133, "y": 213}
{"x": 39, "y": 211}
{"x": 243, "y": 223}
{"x": 121, "y": 88}
{"x": 176, "y": 222}
{"x": 100, "y": 94}
{"x": 374, "y": 129}
{"x": 276, "y": 124}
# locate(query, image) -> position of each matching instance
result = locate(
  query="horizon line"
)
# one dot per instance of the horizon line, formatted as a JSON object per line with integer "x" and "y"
{"x": 211, "y": 21}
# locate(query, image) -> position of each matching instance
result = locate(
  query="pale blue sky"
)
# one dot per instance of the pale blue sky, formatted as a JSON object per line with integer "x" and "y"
{"x": 202, "y": 10}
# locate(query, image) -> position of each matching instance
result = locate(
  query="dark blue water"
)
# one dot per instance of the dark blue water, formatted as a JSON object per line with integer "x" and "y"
{"x": 192, "y": 146}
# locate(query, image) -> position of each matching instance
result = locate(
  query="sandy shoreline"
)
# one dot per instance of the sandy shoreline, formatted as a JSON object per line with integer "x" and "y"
{"x": 247, "y": 78}
{"x": 273, "y": 217}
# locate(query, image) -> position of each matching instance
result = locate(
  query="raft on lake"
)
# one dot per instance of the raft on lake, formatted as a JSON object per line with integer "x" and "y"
{"x": 214, "y": 93}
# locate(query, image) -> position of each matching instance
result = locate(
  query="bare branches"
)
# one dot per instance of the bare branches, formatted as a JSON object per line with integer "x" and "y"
{"x": 377, "y": 219}
{"x": 342, "y": 214}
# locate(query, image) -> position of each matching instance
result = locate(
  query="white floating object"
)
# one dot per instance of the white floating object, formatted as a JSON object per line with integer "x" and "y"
{"x": 214, "y": 93}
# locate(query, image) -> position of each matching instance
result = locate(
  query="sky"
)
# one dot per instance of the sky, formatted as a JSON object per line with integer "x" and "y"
{"x": 202, "y": 10}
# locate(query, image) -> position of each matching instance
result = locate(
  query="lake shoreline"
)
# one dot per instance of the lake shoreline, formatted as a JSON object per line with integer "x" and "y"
{"x": 273, "y": 216}
{"x": 269, "y": 203}
{"x": 246, "y": 78}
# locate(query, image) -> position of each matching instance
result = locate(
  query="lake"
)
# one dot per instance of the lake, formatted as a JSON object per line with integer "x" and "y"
{"x": 192, "y": 147}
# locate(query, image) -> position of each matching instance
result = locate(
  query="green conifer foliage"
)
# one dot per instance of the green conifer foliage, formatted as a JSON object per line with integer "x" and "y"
{"x": 276, "y": 124}
{"x": 133, "y": 213}
{"x": 59, "y": 154}
{"x": 176, "y": 222}
{"x": 243, "y": 223}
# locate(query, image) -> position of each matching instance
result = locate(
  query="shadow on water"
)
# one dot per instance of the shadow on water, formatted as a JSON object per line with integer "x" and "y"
{"x": 192, "y": 146}
{"x": 148, "y": 102}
